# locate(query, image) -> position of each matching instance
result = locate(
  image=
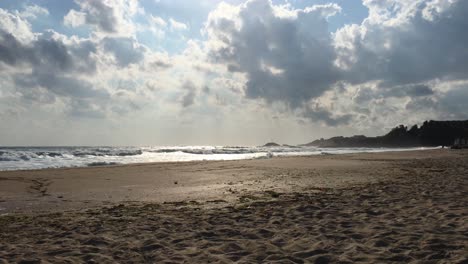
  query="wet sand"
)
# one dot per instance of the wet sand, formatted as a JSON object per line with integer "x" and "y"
{"x": 406, "y": 207}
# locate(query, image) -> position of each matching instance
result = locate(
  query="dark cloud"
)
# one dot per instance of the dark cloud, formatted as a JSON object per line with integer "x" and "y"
{"x": 366, "y": 94}
{"x": 191, "y": 92}
{"x": 83, "y": 59}
{"x": 419, "y": 90}
{"x": 451, "y": 104}
{"x": 293, "y": 59}
{"x": 48, "y": 55}
{"x": 12, "y": 52}
{"x": 322, "y": 115}
{"x": 101, "y": 15}
{"x": 55, "y": 68}
{"x": 59, "y": 85}
{"x": 286, "y": 59}
{"x": 454, "y": 103}
{"x": 104, "y": 17}
{"x": 52, "y": 54}
{"x": 158, "y": 65}
{"x": 421, "y": 104}
{"x": 409, "y": 90}
{"x": 125, "y": 50}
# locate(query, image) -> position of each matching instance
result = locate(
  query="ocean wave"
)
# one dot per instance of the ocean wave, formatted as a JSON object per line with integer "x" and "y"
{"x": 106, "y": 152}
{"x": 49, "y": 154}
{"x": 16, "y": 158}
{"x": 101, "y": 163}
{"x": 219, "y": 151}
{"x": 269, "y": 155}
{"x": 206, "y": 151}
{"x": 164, "y": 150}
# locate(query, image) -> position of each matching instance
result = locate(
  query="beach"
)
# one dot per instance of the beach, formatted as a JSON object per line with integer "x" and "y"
{"x": 390, "y": 207}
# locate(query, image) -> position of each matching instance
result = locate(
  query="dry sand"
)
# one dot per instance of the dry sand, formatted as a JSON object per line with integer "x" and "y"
{"x": 408, "y": 207}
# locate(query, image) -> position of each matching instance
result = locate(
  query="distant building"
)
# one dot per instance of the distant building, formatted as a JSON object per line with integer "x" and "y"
{"x": 460, "y": 143}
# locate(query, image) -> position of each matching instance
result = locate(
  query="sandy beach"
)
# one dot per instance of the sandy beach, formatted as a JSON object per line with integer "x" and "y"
{"x": 394, "y": 207}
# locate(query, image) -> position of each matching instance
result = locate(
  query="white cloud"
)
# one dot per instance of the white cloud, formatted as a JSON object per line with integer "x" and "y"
{"x": 400, "y": 54}
{"x": 33, "y": 12}
{"x": 157, "y": 21}
{"x": 74, "y": 18}
{"x": 106, "y": 17}
{"x": 286, "y": 54}
{"x": 156, "y": 25}
{"x": 327, "y": 10}
{"x": 406, "y": 61}
{"x": 16, "y": 25}
{"x": 176, "y": 25}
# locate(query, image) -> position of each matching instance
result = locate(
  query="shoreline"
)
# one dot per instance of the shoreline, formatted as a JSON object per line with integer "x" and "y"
{"x": 83, "y": 187}
{"x": 383, "y": 208}
{"x": 112, "y": 164}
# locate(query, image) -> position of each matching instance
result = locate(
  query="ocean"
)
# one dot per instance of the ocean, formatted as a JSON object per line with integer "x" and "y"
{"x": 25, "y": 158}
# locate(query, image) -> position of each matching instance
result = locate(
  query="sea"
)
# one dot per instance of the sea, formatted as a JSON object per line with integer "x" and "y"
{"x": 26, "y": 158}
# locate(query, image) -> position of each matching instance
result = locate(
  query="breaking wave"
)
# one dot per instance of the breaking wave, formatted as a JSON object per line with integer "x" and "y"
{"x": 19, "y": 158}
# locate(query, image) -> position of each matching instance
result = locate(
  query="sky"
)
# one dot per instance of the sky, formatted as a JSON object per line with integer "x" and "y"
{"x": 234, "y": 72}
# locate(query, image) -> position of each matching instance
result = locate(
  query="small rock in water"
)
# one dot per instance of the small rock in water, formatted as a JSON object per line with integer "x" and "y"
{"x": 175, "y": 182}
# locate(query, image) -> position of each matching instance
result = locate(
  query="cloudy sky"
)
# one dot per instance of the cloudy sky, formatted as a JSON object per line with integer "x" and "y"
{"x": 165, "y": 72}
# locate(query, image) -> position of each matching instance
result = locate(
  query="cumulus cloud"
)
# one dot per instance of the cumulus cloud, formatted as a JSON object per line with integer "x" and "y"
{"x": 327, "y": 10}
{"x": 59, "y": 85}
{"x": 419, "y": 90}
{"x": 399, "y": 44}
{"x": 47, "y": 54}
{"x": 104, "y": 16}
{"x": 98, "y": 13}
{"x": 289, "y": 55}
{"x": 156, "y": 25}
{"x": 55, "y": 70}
{"x": 47, "y": 66}
{"x": 406, "y": 46}
{"x": 74, "y": 18}
{"x": 176, "y": 25}
{"x": 33, "y": 12}
{"x": 406, "y": 61}
{"x": 325, "y": 116}
{"x": 15, "y": 25}
{"x": 286, "y": 54}
{"x": 125, "y": 50}
{"x": 157, "y": 21}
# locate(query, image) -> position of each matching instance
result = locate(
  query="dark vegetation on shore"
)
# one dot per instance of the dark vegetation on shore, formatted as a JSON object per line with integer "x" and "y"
{"x": 431, "y": 133}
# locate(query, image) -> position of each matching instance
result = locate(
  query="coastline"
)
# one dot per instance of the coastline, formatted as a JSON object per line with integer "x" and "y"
{"x": 376, "y": 207}
{"x": 82, "y": 187}
{"x": 33, "y": 158}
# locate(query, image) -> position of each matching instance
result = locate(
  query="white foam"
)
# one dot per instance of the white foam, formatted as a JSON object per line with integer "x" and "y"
{"x": 56, "y": 157}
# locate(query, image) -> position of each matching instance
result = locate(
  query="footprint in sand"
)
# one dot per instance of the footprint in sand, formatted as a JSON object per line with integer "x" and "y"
{"x": 40, "y": 186}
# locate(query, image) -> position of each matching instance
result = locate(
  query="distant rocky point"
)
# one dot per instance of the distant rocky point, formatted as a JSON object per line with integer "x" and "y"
{"x": 430, "y": 134}
{"x": 271, "y": 144}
